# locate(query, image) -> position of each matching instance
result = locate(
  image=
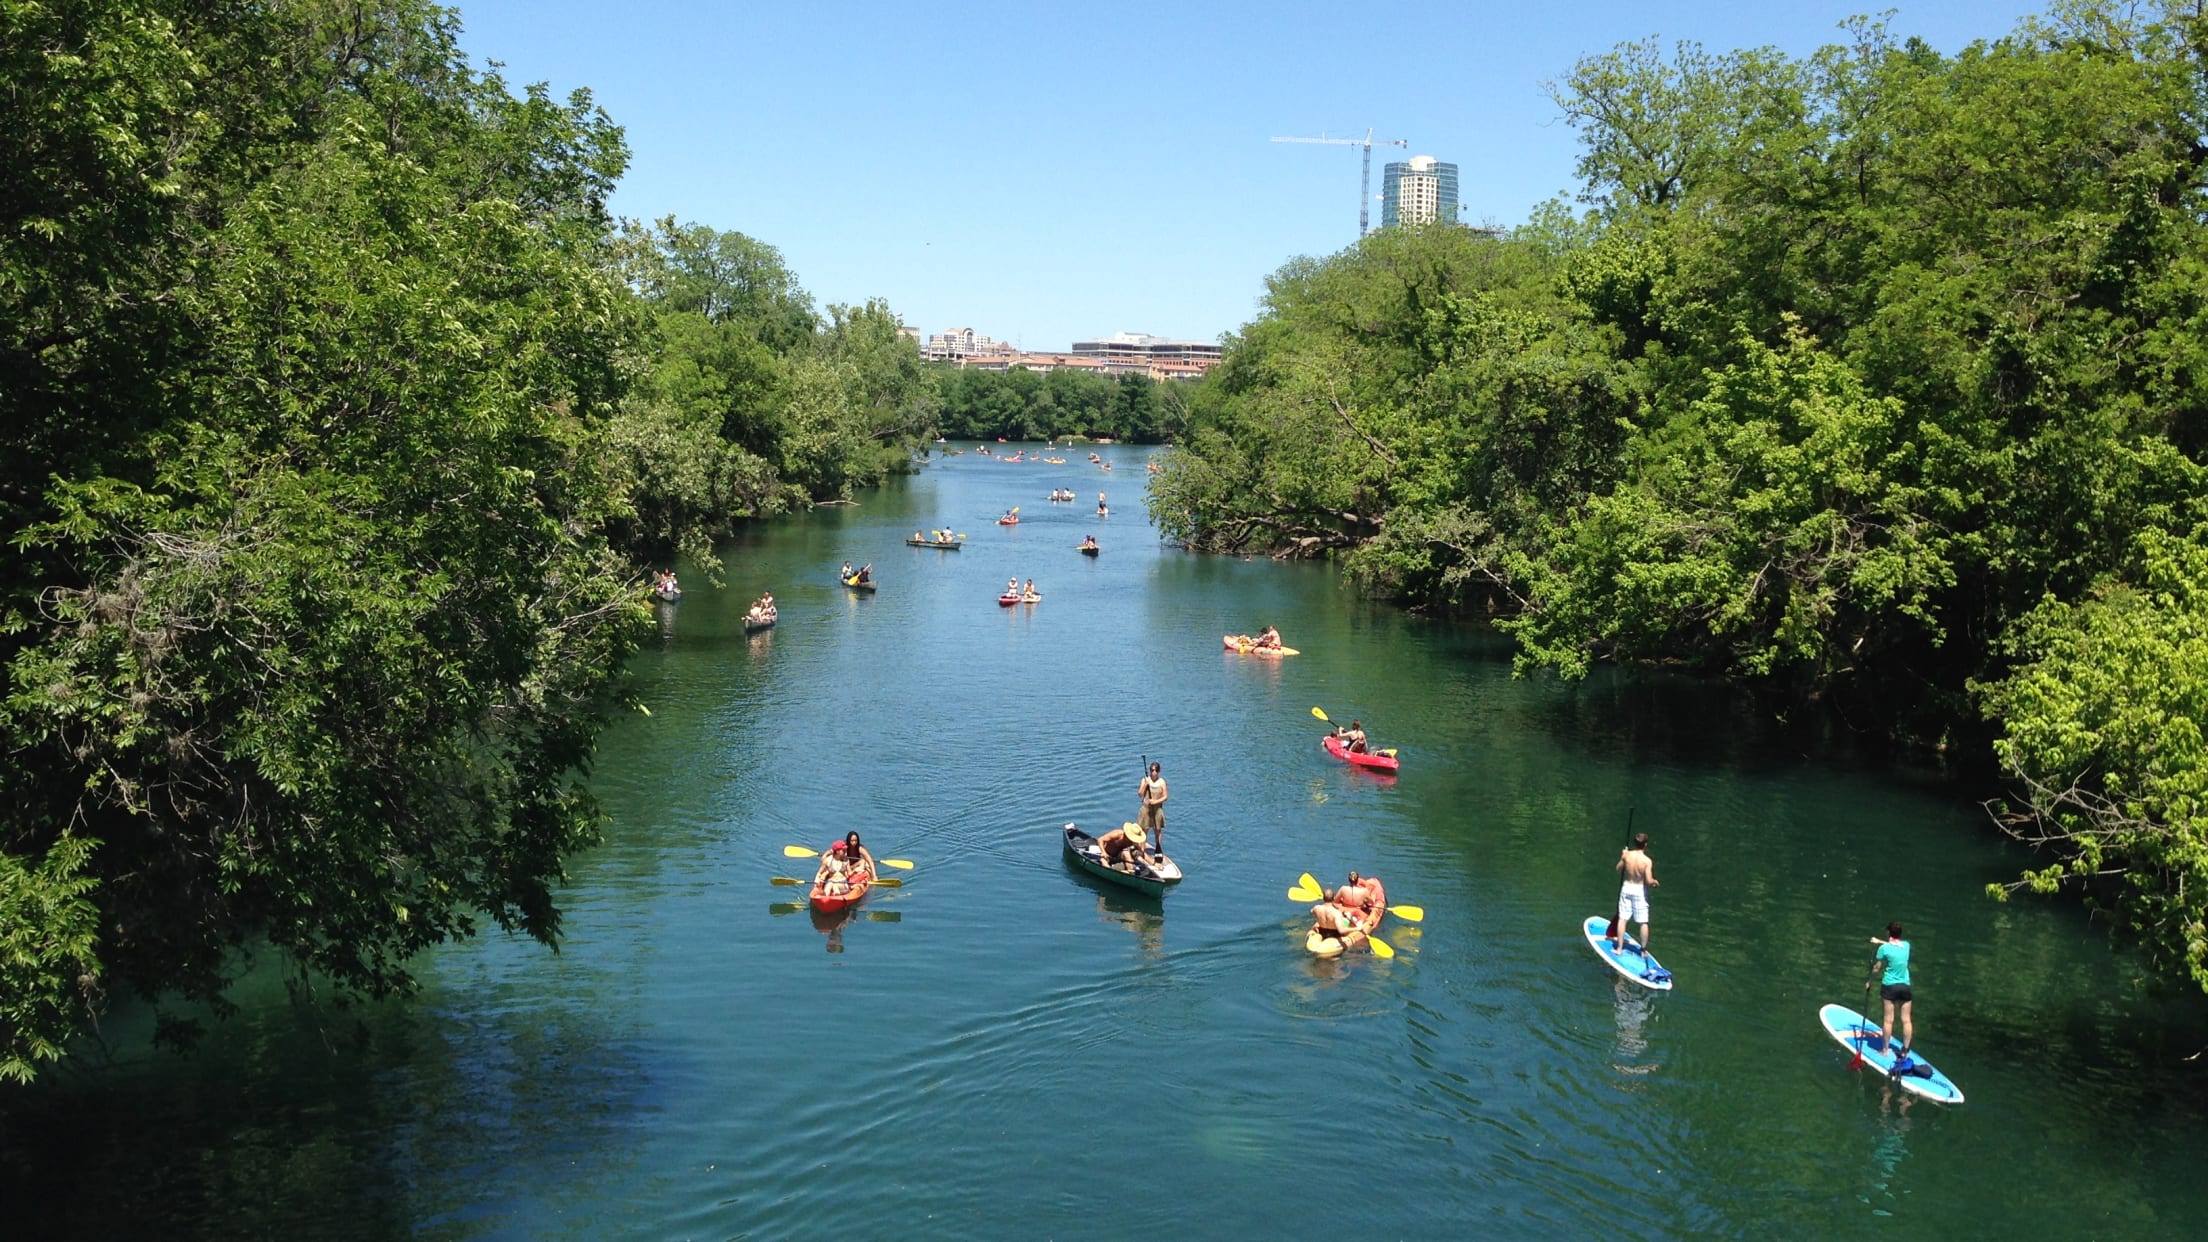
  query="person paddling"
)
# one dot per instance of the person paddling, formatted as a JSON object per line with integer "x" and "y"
{"x": 1637, "y": 873}
{"x": 1153, "y": 794}
{"x": 1891, "y": 965}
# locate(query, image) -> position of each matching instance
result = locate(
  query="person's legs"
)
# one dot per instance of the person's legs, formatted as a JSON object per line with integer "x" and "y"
{"x": 1908, "y": 1028}
{"x": 1886, "y": 1025}
{"x": 1625, "y": 913}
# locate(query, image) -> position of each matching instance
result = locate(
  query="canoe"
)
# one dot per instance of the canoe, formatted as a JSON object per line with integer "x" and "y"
{"x": 667, "y": 595}
{"x": 1364, "y": 759}
{"x": 829, "y": 903}
{"x": 1081, "y": 848}
{"x": 1632, "y": 961}
{"x": 1334, "y": 946}
{"x": 1851, "y": 1030}
{"x": 1088, "y": 549}
{"x": 951, "y": 546}
{"x": 1248, "y": 646}
{"x": 752, "y": 623}
{"x": 857, "y": 585}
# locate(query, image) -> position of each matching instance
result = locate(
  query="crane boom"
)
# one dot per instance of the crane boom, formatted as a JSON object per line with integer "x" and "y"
{"x": 1364, "y": 189}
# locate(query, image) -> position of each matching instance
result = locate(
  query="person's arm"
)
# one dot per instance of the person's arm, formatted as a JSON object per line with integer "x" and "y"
{"x": 1652, "y": 875}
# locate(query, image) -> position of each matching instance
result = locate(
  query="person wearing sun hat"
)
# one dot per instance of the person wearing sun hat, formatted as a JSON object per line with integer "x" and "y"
{"x": 1123, "y": 847}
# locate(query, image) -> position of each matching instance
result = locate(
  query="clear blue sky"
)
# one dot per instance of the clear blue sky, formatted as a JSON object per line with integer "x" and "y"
{"x": 1041, "y": 172}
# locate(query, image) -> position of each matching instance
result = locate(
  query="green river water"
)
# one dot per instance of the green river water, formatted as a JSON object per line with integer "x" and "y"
{"x": 1005, "y": 1048}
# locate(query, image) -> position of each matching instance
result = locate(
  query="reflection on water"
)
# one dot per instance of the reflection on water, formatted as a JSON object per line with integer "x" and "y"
{"x": 1634, "y": 1006}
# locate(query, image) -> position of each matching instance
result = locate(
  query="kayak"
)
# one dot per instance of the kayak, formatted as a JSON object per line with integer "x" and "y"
{"x": 1334, "y": 946}
{"x": 1363, "y": 759}
{"x": 1631, "y": 962}
{"x": 1152, "y": 879}
{"x": 1852, "y": 1030}
{"x": 1008, "y": 521}
{"x": 1089, "y": 549}
{"x": 1006, "y": 601}
{"x": 857, "y": 585}
{"x": 951, "y": 546}
{"x": 1248, "y": 646}
{"x": 828, "y": 903}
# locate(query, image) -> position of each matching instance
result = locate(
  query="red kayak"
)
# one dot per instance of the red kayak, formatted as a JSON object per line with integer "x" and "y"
{"x": 1363, "y": 759}
{"x": 1008, "y": 600}
{"x": 829, "y": 903}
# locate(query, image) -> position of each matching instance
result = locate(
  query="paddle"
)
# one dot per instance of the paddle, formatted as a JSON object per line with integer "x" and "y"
{"x": 1863, "y": 1028}
{"x": 1613, "y": 932}
{"x": 880, "y": 881}
{"x": 799, "y": 851}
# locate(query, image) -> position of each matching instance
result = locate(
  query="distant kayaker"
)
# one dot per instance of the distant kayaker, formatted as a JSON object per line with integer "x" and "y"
{"x": 1153, "y": 795}
{"x": 1011, "y": 587}
{"x": 866, "y": 572}
{"x": 855, "y": 853}
{"x": 1353, "y": 738}
{"x": 1088, "y": 541}
{"x": 1638, "y": 873}
{"x": 1891, "y": 965}
{"x": 1122, "y": 847}
{"x": 1269, "y": 638}
{"x": 847, "y": 571}
{"x": 1029, "y": 592}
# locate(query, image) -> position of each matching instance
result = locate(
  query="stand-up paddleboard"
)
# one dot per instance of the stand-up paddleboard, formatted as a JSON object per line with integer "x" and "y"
{"x": 1629, "y": 961}
{"x": 1852, "y": 1030}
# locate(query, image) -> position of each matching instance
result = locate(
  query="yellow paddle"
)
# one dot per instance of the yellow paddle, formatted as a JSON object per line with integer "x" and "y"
{"x": 1321, "y": 715}
{"x": 880, "y": 881}
{"x": 799, "y": 851}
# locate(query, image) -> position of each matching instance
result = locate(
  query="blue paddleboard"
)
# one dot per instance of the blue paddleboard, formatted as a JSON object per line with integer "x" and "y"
{"x": 1852, "y": 1030}
{"x": 1629, "y": 961}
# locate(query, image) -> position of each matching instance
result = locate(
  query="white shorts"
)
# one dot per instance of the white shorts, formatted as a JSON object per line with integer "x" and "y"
{"x": 1633, "y": 904}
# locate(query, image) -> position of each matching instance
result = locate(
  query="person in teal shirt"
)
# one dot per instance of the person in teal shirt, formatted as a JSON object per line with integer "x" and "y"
{"x": 1892, "y": 968}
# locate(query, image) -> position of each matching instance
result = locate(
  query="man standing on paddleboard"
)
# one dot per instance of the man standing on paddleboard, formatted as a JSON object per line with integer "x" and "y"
{"x": 1152, "y": 818}
{"x": 1639, "y": 875}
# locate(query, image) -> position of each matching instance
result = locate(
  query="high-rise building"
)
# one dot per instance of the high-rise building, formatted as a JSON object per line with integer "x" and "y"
{"x": 1420, "y": 190}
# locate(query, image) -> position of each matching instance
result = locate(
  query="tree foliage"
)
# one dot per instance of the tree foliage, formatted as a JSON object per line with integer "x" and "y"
{"x": 337, "y": 406}
{"x": 1059, "y": 404}
{"x": 1874, "y": 377}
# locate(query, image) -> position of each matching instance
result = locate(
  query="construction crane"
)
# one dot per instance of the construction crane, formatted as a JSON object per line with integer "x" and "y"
{"x": 1364, "y": 193}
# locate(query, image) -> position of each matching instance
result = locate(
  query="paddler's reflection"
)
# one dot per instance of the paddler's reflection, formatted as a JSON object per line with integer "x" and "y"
{"x": 1148, "y": 925}
{"x": 1634, "y": 1004}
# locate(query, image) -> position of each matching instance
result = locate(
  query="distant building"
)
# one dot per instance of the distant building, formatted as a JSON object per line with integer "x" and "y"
{"x": 1420, "y": 190}
{"x": 1143, "y": 350}
{"x": 963, "y": 343}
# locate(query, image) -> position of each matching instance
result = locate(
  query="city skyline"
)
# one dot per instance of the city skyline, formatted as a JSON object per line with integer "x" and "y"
{"x": 1043, "y": 174}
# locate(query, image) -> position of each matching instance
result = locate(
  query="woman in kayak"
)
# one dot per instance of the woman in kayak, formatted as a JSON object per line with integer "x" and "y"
{"x": 855, "y": 853}
{"x": 1029, "y": 593}
{"x": 1269, "y": 638}
{"x": 1011, "y": 587}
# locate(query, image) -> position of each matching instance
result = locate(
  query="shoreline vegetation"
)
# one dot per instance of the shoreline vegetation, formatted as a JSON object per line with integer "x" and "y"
{"x": 1873, "y": 380}
{"x": 343, "y": 412}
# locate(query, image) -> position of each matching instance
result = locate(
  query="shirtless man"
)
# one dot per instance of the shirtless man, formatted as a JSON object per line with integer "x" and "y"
{"x": 1152, "y": 793}
{"x": 1639, "y": 874}
{"x": 1122, "y": 847}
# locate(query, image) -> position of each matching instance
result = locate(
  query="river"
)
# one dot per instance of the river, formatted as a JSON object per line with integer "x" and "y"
{"x": 1005, "y": 1048}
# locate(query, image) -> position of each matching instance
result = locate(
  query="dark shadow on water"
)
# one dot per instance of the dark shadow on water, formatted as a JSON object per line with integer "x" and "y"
{"x": 291, "y": 1122}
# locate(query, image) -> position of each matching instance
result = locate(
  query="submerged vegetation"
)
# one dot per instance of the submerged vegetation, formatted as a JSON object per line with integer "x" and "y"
{"x": 338, "y": 412}
{"x": 1875, "y": 378}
